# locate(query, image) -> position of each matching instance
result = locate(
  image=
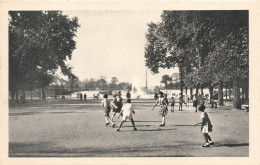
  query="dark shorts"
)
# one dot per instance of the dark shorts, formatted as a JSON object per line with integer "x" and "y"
{"x": 107, "y": 111}
{"x": 117, "y": 110}
{"x": 195, "y": 104}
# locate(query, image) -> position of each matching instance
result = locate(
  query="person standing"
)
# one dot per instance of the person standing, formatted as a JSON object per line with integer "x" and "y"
{"x": 172, "y": 101}
{"x": 80, "y": 95}
{"x": 128, "y": 95}
{"x": 106, "y": 104}
{"x": 206, "y": 126}
{"x": 85, "y": 96}
{"x": 195, "y": 102}
{"x": 127, "y": 111}
{"x": 164, "y": 107}
{"x": 186, "y": 100}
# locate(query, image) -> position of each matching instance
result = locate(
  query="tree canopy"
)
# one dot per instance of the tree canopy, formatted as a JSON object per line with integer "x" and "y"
{"x": 210, "y": 46}
{"x": 40, "y": 42}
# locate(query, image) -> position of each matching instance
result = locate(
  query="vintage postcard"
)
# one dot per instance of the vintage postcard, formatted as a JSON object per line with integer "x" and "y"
{"x": 123, "y": 82}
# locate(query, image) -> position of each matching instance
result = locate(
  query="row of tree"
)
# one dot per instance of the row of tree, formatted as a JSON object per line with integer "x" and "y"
{"x": 40, "y": 42}
{"x": 209, "y": 47}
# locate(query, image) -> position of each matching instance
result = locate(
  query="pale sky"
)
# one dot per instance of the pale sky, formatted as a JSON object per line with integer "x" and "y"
{"x": 111, "y": 44}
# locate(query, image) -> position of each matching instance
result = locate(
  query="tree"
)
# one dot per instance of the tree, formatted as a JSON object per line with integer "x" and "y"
{"x": 114, "y": 80}
{"x": 102, "y": 83}
{"x": 201, "y": 43}
{"x": 39, "y": 43}
{"x": 176, "y": 79}
{"x": 166, "y": 79}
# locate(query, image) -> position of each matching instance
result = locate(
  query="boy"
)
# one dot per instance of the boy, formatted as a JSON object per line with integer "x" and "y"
{"x": 106, "y": 104}
{"x": 164, "y": 109}
{"x": 127, "y": 111}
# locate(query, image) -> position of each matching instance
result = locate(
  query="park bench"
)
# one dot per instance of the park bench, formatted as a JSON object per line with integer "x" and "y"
{"x": 246, "y": 107}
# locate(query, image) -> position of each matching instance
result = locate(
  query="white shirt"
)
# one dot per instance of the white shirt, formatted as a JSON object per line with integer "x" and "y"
{"x": 127, "y": 109}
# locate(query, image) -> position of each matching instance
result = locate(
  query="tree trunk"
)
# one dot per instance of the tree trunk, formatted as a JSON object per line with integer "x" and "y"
{"x": 31, "y": 95}
{"x": 12, "y": 94}
{"x": 186, "y": 90}
{"x": 197, "y": 90}
{"x": 229, "y": 94}
{"x": 191, "y": 93}
{"x": 246, "y": 93}
{"x": 43, "y": 94}
{"x": 237, "y": 100}
{"x": 243, "y": 95}
{"x": 210, "y": 92}
{"x": 17, "y": 95}
{"x": 23, "y": 95}
{"x": 201, "y": 90}
{"x": 226, "y": 93}
{"x": 40, "y": 94}
{"x": 220, "y": 94}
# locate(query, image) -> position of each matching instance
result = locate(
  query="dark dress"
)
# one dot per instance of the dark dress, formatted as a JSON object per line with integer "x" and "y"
{"x": 119, "y": 105}
{"x": 195, "y": 103}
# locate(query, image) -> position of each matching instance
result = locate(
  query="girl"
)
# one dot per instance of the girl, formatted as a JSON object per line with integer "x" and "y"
{"x": 127, "y": 111}
{"x": 164, "y": 107}
{"x": 117, "y": 104}
{"x": 206, "y": 126}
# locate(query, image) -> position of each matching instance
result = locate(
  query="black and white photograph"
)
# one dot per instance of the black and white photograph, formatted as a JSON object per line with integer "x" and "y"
{"x": 139, "y": 83}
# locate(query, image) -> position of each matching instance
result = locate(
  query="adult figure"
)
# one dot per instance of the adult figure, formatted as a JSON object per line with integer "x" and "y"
{"x": 195, "y": 102}
{"x": 155, "y": 96}
{"x": 85, "y": 96}
{"x": 128, "y": 95}
{"x": 80, "y": 96}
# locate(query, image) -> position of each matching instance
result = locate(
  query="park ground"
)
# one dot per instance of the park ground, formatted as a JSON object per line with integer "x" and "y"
{"x": 73, "y": 128}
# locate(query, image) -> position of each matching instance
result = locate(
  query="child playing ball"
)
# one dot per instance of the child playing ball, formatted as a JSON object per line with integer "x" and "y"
{"x": 106, "y": 104}
{"x": 206, "y": 126}
{"x": 127, "y": 111}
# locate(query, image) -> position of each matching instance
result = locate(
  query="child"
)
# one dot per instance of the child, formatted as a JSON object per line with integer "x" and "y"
{"x": 106, "y": 104}
{"x": 127, "y": 111}
{"x": 195, "y": 102}
{"x": 117, "y": 104}
{"x": 206, "y": 126}
{"x": 164, "y": 109}
{"x": 172, "y": 104}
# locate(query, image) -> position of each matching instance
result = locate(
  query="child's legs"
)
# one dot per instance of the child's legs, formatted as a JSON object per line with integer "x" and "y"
{"x": 163, "y": 118}
{"x": 113, "y": 116}
{"x": 121, "y": 124}
{"x": 205, "y": 136}
{"x": 107, "y": 116}
{"x": 133, "y": 123}
{"x": 209, "y": 138}
{"x": 109, "y": 120}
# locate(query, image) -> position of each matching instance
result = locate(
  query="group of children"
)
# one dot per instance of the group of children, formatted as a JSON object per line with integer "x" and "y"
{"x": 117, "y": 106}
{"x": 127, "y": 110}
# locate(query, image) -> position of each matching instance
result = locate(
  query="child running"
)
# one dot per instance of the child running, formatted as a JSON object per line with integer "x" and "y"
{"x": 106, "y": 104}
{"x": 117, "y": 104}
{"x": 164, "y": 107}
{"x": 127, "y": 111}
{"x": 206, "y": 126}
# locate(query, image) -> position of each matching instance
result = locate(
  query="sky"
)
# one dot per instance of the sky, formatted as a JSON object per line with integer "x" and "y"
{"x": 111, "y": 44}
